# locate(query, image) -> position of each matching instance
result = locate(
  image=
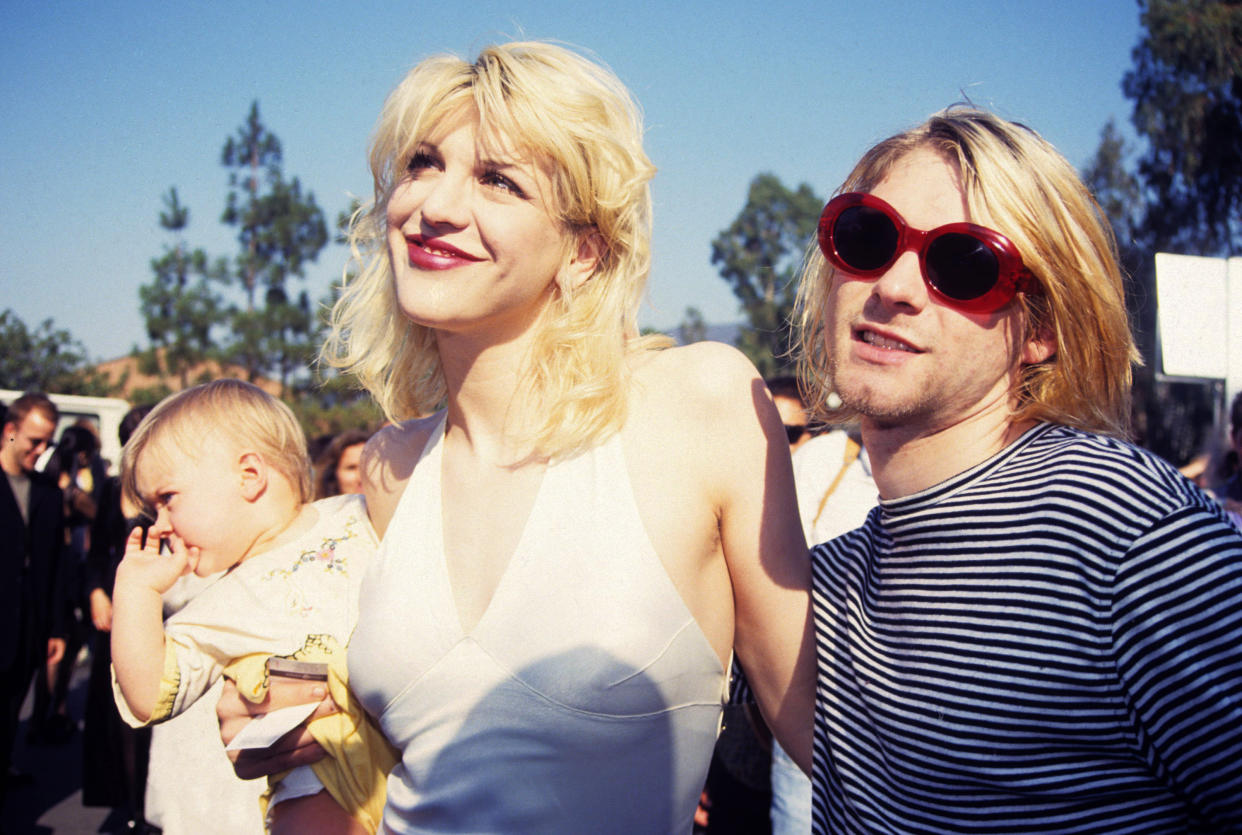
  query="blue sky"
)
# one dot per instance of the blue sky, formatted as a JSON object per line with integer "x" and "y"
{"x": 104, "y": 106}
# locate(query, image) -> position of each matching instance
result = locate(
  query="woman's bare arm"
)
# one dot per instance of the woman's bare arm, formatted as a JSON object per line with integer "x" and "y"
{"x": 765, "y": 552}
{"x": 706, "y": 439}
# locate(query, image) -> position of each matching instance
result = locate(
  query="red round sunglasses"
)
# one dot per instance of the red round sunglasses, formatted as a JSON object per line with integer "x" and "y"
{"x": 965, "y": 266}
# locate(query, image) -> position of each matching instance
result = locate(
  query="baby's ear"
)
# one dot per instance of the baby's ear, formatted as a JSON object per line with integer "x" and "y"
{"x": 253, "y": 471}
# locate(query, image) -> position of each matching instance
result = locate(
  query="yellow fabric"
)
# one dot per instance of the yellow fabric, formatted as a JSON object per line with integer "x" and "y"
{"x": 359, "y": 757}
{"x": 170, "y": 681}
{"x": 169, "y": 684}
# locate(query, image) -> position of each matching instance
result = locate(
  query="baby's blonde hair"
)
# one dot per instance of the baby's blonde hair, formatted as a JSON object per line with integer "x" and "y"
{"x": 237, "y": 411}
{"x": 1018, "y": 184}
{"x": 555, "y": 106}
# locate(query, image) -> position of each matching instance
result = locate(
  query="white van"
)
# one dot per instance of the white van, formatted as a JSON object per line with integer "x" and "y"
{"x": 104, "y": 413}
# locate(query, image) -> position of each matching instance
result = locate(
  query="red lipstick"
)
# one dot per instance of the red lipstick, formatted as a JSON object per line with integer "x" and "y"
{"x": 434, "y": 254}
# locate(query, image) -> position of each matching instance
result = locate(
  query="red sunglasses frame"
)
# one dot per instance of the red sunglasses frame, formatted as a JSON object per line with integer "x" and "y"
{"x": 1012, "y": 275}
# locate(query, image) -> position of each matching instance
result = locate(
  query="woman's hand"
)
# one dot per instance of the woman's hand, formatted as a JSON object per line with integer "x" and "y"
{"x": 295, "y": 748}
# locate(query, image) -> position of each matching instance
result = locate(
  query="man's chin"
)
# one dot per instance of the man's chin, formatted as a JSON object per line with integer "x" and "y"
{"x": 883, "y": 412}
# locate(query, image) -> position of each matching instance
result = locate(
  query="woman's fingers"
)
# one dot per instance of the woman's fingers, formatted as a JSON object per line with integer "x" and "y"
{"x": 293, "y": 749}
{"x": 298, "y": 747}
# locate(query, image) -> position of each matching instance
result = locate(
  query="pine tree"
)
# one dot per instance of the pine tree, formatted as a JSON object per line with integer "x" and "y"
{"x": 180, "y": 306}
{"x": 280, "y": 229}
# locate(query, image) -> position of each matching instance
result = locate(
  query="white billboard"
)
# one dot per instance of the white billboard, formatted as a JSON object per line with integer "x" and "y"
{"x": 1199, "y": 318}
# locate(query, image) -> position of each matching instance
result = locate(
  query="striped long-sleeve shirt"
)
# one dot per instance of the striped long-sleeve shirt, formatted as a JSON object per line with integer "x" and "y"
{"x": 1048, "y": 642}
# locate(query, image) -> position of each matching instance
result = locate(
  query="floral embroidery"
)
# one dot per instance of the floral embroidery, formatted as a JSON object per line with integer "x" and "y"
{"x": 324, "y": 557}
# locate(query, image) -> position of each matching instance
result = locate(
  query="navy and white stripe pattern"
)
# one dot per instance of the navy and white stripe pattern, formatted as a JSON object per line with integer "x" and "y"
{"x": 1048, "y": 642}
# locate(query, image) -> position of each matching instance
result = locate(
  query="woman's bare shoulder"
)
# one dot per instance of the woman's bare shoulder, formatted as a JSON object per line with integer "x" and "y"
{"x": 702, "y": 375}
{"x": 688, "y": 404}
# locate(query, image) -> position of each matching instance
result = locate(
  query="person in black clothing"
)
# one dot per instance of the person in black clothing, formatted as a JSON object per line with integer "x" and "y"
{"x": 114, "y": 762}
{"x": 32, "y": 537}
{"x": 80, "y": 473}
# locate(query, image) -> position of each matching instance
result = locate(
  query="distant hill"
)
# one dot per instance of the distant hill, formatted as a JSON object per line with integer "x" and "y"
{"x": 726, "y": 333}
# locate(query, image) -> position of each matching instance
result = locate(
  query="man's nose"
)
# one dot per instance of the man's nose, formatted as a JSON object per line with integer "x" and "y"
{"x": 902, "y": 284}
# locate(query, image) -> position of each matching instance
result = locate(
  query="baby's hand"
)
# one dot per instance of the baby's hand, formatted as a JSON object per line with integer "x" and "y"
{"x": 146, "y": 566}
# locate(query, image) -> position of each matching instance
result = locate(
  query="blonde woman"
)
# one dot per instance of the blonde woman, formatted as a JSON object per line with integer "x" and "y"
{"x": 581, "y": 526}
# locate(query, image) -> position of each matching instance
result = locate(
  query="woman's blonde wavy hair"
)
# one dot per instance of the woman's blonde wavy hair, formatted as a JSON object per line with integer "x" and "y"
{"x": 1018, "y": 184}
{"x": 556, "y": 106}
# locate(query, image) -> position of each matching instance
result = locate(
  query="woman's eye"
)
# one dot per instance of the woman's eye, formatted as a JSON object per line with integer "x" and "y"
{"x": 500, "y": 181}
{"x": 419, "y": 161}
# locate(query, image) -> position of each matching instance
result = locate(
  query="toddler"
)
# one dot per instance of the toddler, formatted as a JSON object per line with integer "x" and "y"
{"x": 223, "y": 470}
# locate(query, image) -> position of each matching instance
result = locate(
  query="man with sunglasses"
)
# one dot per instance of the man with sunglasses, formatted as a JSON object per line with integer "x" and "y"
{"x": 1039, "y": 629}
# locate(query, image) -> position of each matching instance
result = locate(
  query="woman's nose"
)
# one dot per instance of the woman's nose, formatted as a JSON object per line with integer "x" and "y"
{"x": 445, "y": 202}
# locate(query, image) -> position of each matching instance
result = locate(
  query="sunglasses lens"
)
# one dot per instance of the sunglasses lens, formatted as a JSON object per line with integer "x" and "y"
{"x": 865, "y": 238}
{"x": 961, "y": 266}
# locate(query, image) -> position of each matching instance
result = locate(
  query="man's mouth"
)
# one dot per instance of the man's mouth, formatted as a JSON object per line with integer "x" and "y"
{"x": 881, "y": 341}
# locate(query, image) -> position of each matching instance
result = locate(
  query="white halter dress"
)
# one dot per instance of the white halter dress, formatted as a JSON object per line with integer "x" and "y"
{"x": 586, "y": 698}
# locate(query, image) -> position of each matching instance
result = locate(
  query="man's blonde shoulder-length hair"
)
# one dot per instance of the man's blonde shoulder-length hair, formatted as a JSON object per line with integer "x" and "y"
{"x": 238, "y": 412}
{"x": 551, "y": 103}
{"x": 1019, "y": 185}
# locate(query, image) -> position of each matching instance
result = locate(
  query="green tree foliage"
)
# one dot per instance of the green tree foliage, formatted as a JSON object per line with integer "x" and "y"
{"x": 1169, "y": 418}
{"x": 1185, "y": 192}
{"x": 1117, "y": 190}
{"x": 1186, "y": 85}
{"x": 150, "y": 395}
{"x": 46, "y": 359}
{"x": 759, "y": 255}
{"x": 280, "y": 229}
{"x": 180, "y": 306}
{"x": 335, "y": 404}
{"x": 1120, "y": 195}
{"x": 344, "y": 218}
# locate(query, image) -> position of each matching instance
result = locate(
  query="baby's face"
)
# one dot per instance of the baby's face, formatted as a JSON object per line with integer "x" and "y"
{"x": 197, "y": 495}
